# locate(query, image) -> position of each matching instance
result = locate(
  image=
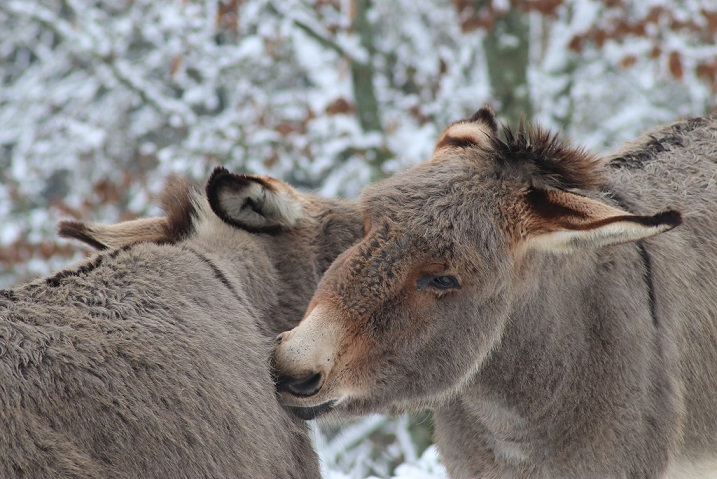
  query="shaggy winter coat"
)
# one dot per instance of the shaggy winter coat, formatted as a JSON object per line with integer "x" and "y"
{"x": 535, "y": 298}
{"x": 151, "y": 359}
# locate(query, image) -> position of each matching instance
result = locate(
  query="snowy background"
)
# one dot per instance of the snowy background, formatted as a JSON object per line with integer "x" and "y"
{"x": 100, "y": 100}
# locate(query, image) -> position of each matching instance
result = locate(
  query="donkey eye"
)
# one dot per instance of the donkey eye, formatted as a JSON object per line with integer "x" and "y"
{"x": 444, "y": 282}
{"x": 438, "y": 282}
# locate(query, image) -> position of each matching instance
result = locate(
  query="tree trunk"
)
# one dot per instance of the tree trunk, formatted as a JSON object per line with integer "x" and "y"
{"x": 362, "y": 76}
{"x": 506, "y": 48}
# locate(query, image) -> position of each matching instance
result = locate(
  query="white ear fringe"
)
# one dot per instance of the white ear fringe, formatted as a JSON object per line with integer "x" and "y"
{"x": 271, "y": 208}
{"x": 609, "y": 234}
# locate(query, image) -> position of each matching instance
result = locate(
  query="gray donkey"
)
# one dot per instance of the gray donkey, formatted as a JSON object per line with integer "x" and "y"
{"x": 151, "y": 360}
{"x": 527, "y": 293}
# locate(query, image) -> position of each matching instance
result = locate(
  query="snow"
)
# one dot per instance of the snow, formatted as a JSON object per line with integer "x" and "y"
{"x": 102, "y": 100}
{"x": 428, "y": 466}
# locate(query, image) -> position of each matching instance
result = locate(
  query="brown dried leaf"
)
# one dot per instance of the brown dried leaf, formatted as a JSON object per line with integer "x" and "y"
{"x": 228, "y": 15}
{"x": 711, "y": 19}
{"x": 628, "y": 61}
{"x": 340, "y": 106}
{"x": 174, "y": 66}
{"x": 576, "y": 43}
{"x": 675, "y": 65}
{"x": 549, "y": 8}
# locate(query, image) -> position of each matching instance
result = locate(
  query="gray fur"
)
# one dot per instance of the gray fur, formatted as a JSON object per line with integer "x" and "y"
{"x": 580, "y": 343}
{"x": 151, "y": 359}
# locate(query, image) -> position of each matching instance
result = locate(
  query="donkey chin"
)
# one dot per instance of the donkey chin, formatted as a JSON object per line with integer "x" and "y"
{"x": 311, "y": 412}
{"x": 307, "y": 397}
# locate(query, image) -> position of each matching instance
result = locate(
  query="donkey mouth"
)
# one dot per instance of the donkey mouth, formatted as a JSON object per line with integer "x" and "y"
{"x": 311, "y": 412}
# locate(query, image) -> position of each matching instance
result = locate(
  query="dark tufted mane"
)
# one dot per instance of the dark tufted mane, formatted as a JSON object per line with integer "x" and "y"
{"x": 176, "y": 202}
{"x": 535, "y": 154}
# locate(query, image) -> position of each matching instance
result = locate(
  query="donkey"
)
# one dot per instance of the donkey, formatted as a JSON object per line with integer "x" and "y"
{"x": 152, "y": 359}
{"x": 527, "y": 292}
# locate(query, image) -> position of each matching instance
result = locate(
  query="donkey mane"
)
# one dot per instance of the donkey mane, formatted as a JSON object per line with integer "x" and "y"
{"x": 640, "y": 152}
{"x": 179, "y": 201}
{"x": 544, "y": 159}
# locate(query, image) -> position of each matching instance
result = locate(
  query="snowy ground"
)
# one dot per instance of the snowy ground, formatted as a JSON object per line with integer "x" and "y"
{"x": 427, "y": 466}
{"x": 378, "y": 447}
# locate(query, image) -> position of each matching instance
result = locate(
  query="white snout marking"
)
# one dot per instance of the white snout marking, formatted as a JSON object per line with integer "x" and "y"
{"x": 311, "y": 346}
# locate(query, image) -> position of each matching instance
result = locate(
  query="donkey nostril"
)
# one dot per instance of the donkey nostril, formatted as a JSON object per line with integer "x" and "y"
{"x": 302, "y": 387}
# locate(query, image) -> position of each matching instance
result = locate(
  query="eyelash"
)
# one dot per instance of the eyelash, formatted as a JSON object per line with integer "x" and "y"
{"x": 440, "y": 283}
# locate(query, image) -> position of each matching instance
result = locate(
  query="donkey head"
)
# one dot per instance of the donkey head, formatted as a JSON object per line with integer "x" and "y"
{"x": 408, "y": 316}
{"x": 294, "y": 235}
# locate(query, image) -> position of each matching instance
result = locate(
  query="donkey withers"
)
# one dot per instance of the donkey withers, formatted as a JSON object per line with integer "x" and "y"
{"x": 527, "y": 292}
{"x": 151, "y": 360}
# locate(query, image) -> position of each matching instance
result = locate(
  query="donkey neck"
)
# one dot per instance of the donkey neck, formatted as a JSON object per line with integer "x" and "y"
{"x": 580, "y": 332}
{"x": 246, "y": 267}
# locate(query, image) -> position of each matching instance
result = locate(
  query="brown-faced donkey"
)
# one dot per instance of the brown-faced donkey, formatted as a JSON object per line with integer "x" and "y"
{"x": 527, "y": 292}
{"x": 151, "y": 359}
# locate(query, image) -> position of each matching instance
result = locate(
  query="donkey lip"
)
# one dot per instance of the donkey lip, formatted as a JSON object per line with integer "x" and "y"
{"x": 311, "y": 412}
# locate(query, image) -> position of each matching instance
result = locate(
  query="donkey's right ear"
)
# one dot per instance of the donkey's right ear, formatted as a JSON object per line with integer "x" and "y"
{"x": 259, "y": 204}
{"x": 561, "y": 221}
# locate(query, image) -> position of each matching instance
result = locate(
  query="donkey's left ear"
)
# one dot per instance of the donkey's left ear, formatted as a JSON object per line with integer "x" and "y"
{"x": 485, "y": 116}
{"x": 255, "y": 203}
{"x": 557, "y": 220}
{"x": 474, "y": 131}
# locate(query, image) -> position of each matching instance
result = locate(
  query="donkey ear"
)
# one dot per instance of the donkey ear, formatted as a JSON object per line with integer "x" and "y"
{"x": 561, "y": 221}
{"x": 98, "y": 236}
{"x": 486, "y": 116}
{"x": 255, "y": 203}
{"x": 474, "y": 131}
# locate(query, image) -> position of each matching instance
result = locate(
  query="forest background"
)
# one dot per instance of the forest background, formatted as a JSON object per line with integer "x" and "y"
{"x": 101, "y": 100}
